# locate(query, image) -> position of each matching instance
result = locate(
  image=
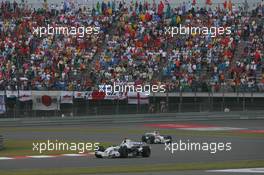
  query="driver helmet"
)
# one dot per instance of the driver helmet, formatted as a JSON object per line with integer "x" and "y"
{"x": 156, "y": 132}
{"x": 124, "y": 141}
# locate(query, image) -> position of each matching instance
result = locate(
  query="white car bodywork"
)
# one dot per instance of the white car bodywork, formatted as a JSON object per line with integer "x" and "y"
{"x": 157, "y": 137}
{"x": 110, "y": 152}
{"x": 131, "y": 149}
{"x": 129, "y": 143}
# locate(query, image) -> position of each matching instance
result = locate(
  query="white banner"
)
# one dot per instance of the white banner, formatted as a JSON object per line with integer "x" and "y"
{"x": 137, "y": 98}
{"x": 66, "y": 97}
{"x": 46, "y": 100}
{"x": 116, "y": 96}
{"x": 2, "y": 104}
{"x": 11, "y": 94}
{"x": 80, "y": 94}
{"x": 25, "y": 95}
{"x": 103, "y": 96}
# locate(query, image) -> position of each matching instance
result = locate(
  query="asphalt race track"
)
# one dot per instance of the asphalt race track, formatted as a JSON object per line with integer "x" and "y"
{"x": 243, "y": 148}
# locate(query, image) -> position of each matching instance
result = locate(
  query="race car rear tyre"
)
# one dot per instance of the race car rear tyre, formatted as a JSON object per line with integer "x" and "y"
{"x": 123, "y": 152}
{"x": 151, "y": 140}
{"x": 144, "y": 139}
{"x": 146, "y": 151}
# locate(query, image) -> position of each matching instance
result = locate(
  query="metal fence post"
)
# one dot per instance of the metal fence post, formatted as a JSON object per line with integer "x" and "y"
{"x": 180, "y": 104}
{"x": 244, "y": 102}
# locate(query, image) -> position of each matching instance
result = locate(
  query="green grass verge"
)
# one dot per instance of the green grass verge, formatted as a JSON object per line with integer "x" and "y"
{"x": 202, "y": 133}
{"x": 138, "y": 168}
{"x": 25, "y": 148}
{"x": 138, "y": 131}
{"x": 56, "y": 129}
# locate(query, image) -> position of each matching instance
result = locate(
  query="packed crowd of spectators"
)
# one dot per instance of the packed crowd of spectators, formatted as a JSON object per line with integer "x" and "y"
{"x": 132, "y": 47}
{"x": 248, "y": 71}
{"x": 50, "y": 62}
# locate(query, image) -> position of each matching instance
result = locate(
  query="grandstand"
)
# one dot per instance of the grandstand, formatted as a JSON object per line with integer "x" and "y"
{"x": 184, "y": 76}
{"x": 39, "y": 3}
{"x": 132, "y": 46}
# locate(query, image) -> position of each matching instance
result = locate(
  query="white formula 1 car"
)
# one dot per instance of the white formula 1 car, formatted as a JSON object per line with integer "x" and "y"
{"x": 156, "y": 138}
{"x": 126, "y": 149}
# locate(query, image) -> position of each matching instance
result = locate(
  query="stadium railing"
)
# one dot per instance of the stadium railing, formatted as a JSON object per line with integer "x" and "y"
{"x": 159, "y": 104}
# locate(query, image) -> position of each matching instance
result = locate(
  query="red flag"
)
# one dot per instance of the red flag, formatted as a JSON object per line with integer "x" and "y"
{"x": 97, "y": 95}
{"x": 46, "y": 100}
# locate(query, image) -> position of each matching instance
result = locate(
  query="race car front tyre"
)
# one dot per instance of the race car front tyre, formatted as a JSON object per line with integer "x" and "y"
{"x": 123, "y": 152}
{"x": 146, "y": 151}
{"x": 98, "y": 156}
{"x": 169, "y": 138}
{"x": 101, "y": 149}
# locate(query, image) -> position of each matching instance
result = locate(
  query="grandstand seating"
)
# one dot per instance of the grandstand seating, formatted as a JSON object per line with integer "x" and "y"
{"x": 132, "y": 48}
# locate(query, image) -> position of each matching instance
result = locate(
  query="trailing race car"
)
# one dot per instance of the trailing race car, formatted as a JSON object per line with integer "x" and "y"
{"x": 155, "y": 137}
{"x": 126, "y": 149}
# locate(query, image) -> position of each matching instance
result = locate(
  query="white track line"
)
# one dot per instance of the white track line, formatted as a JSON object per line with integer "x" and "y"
{"x": 41, "y": 156}
{"x": 46, "y": 156}
{"x": 74, "y": 155}
{"x": 6, "y": 158}
{"x": 244, "y": 170}
{"x": 213, "y": 129}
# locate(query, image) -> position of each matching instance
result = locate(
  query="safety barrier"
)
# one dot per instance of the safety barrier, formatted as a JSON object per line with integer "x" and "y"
{"x": 1, "y": 142}
{"x": 132, "y": 118}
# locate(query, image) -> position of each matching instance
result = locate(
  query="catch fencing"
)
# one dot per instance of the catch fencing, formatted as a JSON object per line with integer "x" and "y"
{"x": 158, "y": 103}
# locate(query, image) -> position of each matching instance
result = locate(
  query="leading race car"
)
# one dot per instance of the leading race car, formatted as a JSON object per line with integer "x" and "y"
{"x": 126, "y": 149}
{"x": 156, "y": 138}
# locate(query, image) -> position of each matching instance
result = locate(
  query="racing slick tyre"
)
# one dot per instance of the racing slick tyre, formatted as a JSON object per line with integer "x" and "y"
{"x": 123, "y": 151}
{"x": 98, "y": 156}
{"x": 143, "y": 138}
{"x": 149, "y": 140}
{"x": 146, "y": 151}
{"x": 170, "y": 138}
